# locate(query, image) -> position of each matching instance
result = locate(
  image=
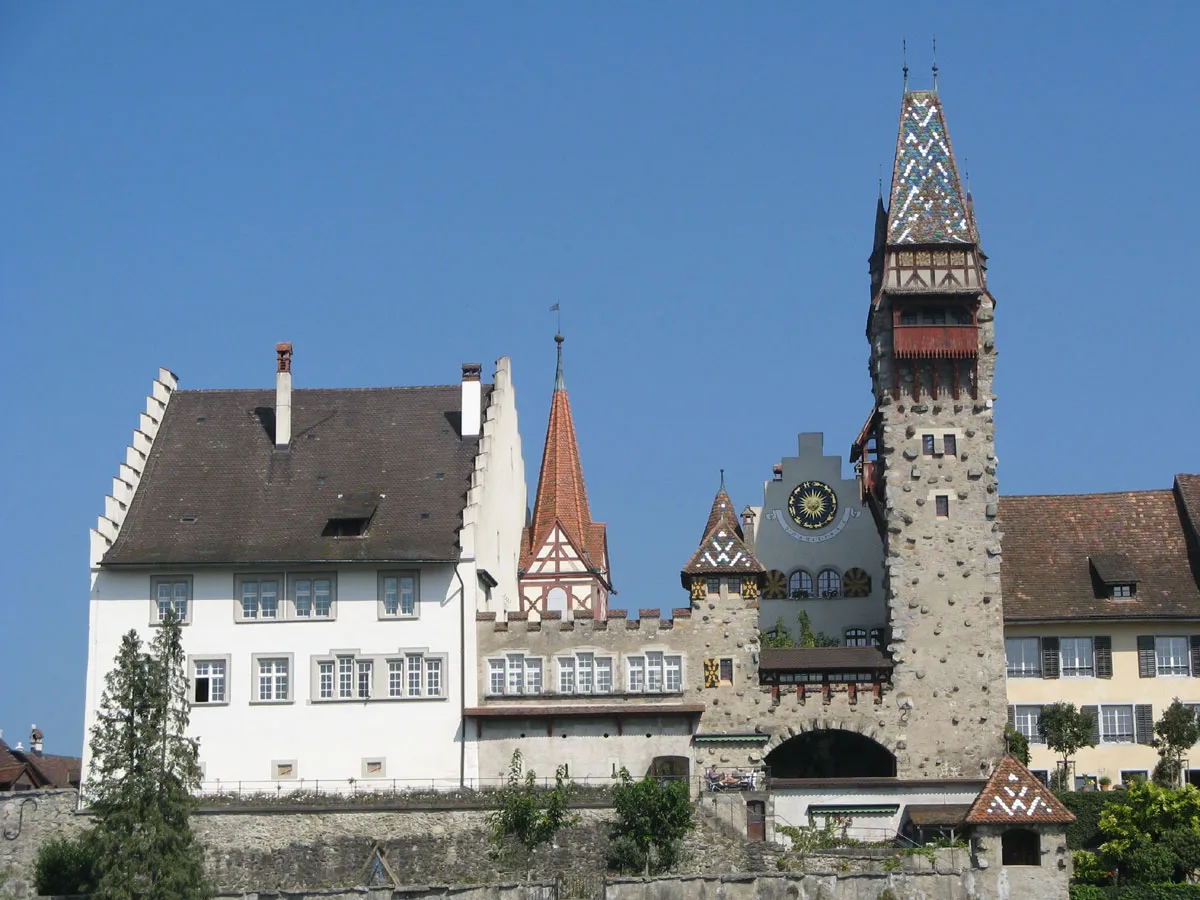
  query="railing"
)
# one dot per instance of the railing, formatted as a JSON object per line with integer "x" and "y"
{"x": 723, "y": 779}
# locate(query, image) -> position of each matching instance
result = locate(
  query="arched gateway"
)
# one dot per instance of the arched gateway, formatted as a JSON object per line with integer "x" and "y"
{"x": 831, "y": 753}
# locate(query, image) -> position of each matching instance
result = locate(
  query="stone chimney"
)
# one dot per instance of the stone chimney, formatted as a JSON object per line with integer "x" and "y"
{"x": 35, "y": 740}
{"x": 472, "y": 394}
{"x": 283, "y": 396}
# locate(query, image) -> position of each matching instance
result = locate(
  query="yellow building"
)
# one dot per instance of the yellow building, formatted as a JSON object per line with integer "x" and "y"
{"x": 1102, "y": 609}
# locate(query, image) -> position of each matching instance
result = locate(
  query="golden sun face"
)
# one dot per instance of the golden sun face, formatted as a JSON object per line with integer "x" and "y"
{"x": 812, "y": 504}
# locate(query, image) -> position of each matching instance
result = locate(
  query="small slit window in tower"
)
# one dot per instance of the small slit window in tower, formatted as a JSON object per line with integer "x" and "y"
{"x": 942, "y": 503}
{"x": 950, "y": 445}
{"x": 927, "y": 445}
{"x": 727, "y": 671}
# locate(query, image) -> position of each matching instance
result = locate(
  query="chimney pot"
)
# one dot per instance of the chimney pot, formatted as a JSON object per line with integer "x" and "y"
{"x": 472, "y": 394}
{"x": 283, "y": 396}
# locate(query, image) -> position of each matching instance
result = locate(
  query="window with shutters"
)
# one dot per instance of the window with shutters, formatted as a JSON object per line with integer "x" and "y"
{"x": 1102, "y": 644}
{"x": 1171, "y": 656}
{"x": 1023, "y": 657}
{"x": 1078, "y": 660}
{"x": 1116, "y": 724}
{"x": 1026, "y": 720}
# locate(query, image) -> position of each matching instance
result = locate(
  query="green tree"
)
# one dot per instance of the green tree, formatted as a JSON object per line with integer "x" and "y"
{"x": 1066, "y": 730}
{"x": 1176, "y": 732}
{"x": 653, "y": 816}
{"x": 1018, "y": 744}
{"x": 67, "y": 865}
{"x": 1152, "y": 833}
{"x": 778, "y": 637}
{"x": 807, "y": 638}
{"x": 143, "y": 774}
{"x": 525, "y": 814}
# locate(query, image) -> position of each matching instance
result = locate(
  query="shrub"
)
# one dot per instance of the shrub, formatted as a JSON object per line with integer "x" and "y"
{"x": 1084, "y": 833}
{"x": 525, "y": 814}
{"x": 653, "y": 816}
{"x": 67, "y": 865}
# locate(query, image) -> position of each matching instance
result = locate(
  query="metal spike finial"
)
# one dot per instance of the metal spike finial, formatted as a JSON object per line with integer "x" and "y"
{"x": 904, "y": 53}
{"x": 559, "y": 383}
{"x": 935, "y": 69}
{"x": 722, "y": 479}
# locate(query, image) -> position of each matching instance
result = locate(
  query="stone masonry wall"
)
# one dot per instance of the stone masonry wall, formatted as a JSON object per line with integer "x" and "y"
{"x": 27, "y": 820}
{"x": 943, "y": 574}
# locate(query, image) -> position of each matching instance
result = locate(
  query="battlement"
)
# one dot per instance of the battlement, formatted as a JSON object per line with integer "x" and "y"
{"x": 651, "y": 622}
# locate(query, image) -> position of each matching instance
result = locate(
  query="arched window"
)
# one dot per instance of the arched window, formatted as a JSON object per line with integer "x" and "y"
{"x": 556, "y": 599}
{"x": 856, "y": 637}
{"x": 829, "y": 583}
{"x": 878, "y": 637}
{"x": 800, "y": 585}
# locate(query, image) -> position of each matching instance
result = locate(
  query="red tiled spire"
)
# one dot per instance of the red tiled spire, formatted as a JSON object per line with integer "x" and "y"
{"x": 1013, "y": 796}
{"x": 561, "y": 492}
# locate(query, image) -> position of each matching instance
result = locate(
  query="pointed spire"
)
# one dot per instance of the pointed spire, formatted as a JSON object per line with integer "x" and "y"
{"x": 723, "y": 548}
{"x": 927, "y": 203}
{"x": 561, "y": 492}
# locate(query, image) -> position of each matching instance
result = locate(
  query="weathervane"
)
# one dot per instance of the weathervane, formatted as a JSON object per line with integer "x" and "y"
{"x": 904, "y": 52}
{"x": 935, "y": 64}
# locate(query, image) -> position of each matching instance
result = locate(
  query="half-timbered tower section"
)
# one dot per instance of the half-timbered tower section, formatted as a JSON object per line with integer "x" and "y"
{"x": 564, "y": 558}
{"x": 927, "y": 456}
{"x": 724, "y": 561}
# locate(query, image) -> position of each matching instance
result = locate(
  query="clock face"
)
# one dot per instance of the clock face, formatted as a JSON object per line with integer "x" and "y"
{"x": 813, "y": 504}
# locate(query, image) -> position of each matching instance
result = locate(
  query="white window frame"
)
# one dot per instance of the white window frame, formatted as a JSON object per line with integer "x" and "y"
{"x": 389, "y": 676}
{"x": 1023, "y": 670}
{"x": 243, "y": 579}
{"x": 565, "y": 666}
{"x": 635, "y": 674}
{"x": 175, "y": 581}
{"x": 399, "y": 575}
{"x": 497, "y": 674}
{"x": 1026, "y": 719}
{"x": 604, "y": 675}
{"x": 289, "y": 674}
{"x": 1088, "y": 671}
{"x": 194, "y": 676}
{"x": 1105, "y": 731}
{"x": 293, "y": 583}
{"x": 326, "y": 667}
{"x": 673, "y": 673}
{"x": 1184, "y": 668}
{"x": 364, "y": 678}
{"x": 647, "y": 672}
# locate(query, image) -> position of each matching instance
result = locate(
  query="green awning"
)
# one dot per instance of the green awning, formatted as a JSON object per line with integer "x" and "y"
{"x": 731, "y": 738}
{"x": 853, "y": 810}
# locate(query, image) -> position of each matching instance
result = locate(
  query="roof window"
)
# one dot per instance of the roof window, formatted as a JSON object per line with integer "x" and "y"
{"x": 340, "y": 528}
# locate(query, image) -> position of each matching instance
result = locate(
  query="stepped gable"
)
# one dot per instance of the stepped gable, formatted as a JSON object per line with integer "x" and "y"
{"x": 723, "y": 549}
{"x": 561, "y": 492}
{"x": 928, "y": 205}
{"x": 1014, "y": 795}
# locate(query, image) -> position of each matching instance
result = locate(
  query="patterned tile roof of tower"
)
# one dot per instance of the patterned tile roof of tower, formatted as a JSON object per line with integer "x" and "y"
{"x": 723, "y": 548}
{"x": 1014, "y": 795}
{"x": 927, "y": 204}
{"x": 1059, "y": 551}
{"x": 561, "y": 491}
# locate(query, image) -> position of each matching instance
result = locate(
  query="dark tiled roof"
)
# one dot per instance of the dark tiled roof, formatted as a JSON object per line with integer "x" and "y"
{"x": 723, "y": 548}
{"x": 39, "y": 770}
{"x": 1113, "y": 568}
{"x": 1187, "y": 488}
{"x": 214, "y": 459}
{"x": 822, "y": 659}
{"x": 1051, "y": 543}
{"x": 1013, "y": 796}
{"x": 927, "y": 204}
{"x": 947, "y": 814}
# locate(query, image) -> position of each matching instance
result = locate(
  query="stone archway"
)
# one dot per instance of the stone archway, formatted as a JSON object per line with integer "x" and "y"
{"x": 831, "y": 753}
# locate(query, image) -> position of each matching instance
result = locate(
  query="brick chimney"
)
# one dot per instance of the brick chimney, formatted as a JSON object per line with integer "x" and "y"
{"x": 283, "y": 396}
{"x": 472, "y": 394}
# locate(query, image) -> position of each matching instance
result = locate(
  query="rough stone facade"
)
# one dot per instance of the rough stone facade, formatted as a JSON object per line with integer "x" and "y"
{"x": 27, "y": 820}
{"x": 939, "y": 499}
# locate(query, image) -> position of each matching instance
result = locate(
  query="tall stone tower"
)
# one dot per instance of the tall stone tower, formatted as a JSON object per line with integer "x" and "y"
{"x": 927, "y": 457}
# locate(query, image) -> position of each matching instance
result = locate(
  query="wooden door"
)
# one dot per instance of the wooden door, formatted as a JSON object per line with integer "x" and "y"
{"x": 756, "y": 820}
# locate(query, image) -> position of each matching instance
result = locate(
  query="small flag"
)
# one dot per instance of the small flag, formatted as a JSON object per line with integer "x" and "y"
{"x": 554, "y": 308}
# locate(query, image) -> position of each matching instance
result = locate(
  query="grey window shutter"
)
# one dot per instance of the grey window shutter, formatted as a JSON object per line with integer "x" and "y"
{"x": 1012, "y": 717}
{"x": 1143, "y": 722}
{"x": 1146, "y": 665}
{"x": 1050, "y": 657}
{"x": 1196, "y": 655}
{"x": 1094, "y": 712}
{"x": 1102, "y": 647}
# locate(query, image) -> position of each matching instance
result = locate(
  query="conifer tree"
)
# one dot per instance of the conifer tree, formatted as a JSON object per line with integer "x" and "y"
{"x": 142, "y": 775}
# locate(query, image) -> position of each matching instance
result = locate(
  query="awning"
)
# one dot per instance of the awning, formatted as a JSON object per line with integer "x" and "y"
{"x": 731, "y": 738}
{"x": 881, "y": 810}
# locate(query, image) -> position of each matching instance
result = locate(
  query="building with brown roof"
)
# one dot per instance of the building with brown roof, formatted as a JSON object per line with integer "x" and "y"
{"x": 26, "y": 770}
{"x": 1102, "y": 609}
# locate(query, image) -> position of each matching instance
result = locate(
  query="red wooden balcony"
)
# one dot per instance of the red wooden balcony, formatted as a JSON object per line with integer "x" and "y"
{"x": 935, "y": 341}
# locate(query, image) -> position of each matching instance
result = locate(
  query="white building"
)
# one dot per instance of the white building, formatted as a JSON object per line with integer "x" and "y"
{"x": 327, "y": 550}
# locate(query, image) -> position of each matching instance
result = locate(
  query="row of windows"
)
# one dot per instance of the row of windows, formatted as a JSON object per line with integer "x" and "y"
{"x": 1091, "y": 657}
{"x": 291, "y": 598}
{"x": 936, "y": 315}
{"x": 338, "y": 677}
{"x": 1115, "y": 723}
{"x": 653, "y": 672}
{"x": 801, "y": 585}
{"x": 734, "y": 584}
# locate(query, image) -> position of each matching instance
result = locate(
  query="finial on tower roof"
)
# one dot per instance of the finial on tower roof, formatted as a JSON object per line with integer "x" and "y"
{"x": 559, "y": 383}
{"x": 722, "y": 479}
{"x": 935, "y": 65}
{"x": 904, "y": 53}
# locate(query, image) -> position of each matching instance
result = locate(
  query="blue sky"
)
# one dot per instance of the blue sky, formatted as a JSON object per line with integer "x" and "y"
{"x": 399, "y": 188}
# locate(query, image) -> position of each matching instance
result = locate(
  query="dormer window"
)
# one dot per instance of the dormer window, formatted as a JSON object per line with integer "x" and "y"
{"x": 1122, "y": 590}
{"x": 1114, "y": 576}
{"x": 341, "y": 528}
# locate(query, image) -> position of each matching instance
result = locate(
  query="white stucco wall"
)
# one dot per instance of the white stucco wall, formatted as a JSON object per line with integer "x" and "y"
{"x": 791, "y": 806}
{"x": 239, "y": 741}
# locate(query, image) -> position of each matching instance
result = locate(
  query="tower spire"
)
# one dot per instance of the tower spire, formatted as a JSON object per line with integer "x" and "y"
{"x": 935, "y": 68}
{"x": 559, "y": 384}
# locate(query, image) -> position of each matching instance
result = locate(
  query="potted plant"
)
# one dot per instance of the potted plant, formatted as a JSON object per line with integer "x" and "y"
{"x": 1105, "y": 783}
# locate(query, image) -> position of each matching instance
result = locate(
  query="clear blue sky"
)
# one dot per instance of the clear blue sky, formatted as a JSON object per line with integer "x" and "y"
{"x": 398, "y": 188}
